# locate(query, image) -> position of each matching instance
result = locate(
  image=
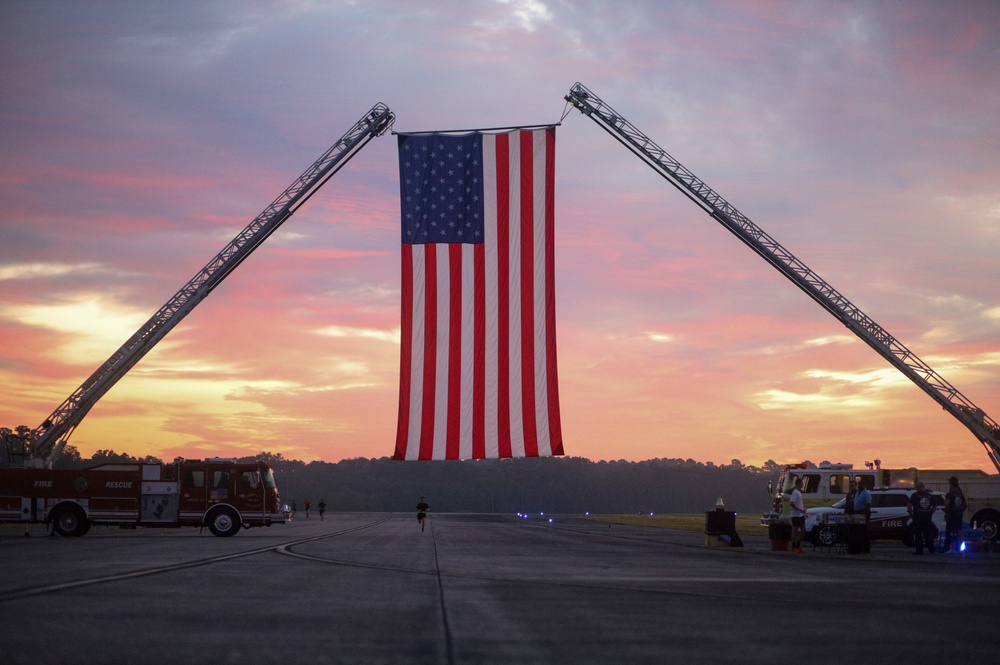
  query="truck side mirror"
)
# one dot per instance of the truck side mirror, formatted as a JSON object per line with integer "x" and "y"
{"x": 770, "y": 487}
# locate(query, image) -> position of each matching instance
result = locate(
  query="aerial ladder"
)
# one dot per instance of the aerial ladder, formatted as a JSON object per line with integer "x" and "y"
{"x": 44, "y": 444}
{"x": 985, "y": 429}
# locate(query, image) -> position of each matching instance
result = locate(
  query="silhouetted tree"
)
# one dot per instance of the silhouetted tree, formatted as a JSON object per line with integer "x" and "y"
{"x": 70, "y": 458}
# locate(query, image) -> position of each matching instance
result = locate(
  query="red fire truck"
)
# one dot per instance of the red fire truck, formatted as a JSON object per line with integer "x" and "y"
{"x": 219, "y": 493}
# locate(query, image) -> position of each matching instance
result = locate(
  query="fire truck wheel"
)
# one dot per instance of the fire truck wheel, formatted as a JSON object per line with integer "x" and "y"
{"x": 989, "y": 522}
{"x": 70, "y": 521}
{"x": 224, "y": 522}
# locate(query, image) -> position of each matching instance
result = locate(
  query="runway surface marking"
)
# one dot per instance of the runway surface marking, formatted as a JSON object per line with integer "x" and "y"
{"x": 63, "y": 586}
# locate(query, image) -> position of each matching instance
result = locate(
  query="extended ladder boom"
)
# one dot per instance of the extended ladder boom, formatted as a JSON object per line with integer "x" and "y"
{"x": 982, "y": 426}
{"x": 60, "y": 425}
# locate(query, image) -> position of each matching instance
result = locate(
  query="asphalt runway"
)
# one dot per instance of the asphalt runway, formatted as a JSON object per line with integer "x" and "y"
{"x": 373, "y": 588}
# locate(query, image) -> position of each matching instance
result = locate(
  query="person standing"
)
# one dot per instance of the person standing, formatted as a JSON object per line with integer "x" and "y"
{"x": 798, "y": 515}
{"x": 954, "y": 512}
{"x": 322, "y": 509}
{"x": 863, "y": 501}
{"x": 308, "y": 505}
{"x": 922, "y": 511}
{"x": 294, "y": 508}
{"x": 862, "y": 506}
{"x": 849, "y": 499}
{"x": 422, "y": 509}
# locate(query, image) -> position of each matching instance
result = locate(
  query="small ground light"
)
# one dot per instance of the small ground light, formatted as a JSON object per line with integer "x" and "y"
{"x": 550, "y": 520}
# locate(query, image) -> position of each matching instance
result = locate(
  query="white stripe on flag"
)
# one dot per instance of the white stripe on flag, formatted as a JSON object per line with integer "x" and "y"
{"x": 490, "y": 248}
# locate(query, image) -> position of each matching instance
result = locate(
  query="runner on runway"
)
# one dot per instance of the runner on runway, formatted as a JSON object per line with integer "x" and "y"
{"x": 422, "y": 509}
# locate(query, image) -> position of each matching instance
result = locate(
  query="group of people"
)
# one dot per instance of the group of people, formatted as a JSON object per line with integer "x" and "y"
{"x": 422, "y": 509}
{"x": 857, "y": 502}
{"x": 308, "y": 507}
{"x": 921, "y": 509}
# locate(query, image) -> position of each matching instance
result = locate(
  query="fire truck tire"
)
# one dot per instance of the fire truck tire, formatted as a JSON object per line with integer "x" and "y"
{"x": 989, "y": 522}
{"x": 224, "y": 522}
{"x": 70, "y": 521}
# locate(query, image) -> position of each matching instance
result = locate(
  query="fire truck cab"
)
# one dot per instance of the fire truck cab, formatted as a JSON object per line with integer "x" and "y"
{"x": 828, "y": 483}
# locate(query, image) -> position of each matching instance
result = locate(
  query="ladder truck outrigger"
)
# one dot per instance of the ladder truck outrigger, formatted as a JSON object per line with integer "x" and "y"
{"x": 219, "y": 493}
{"x": 984, "y": 428}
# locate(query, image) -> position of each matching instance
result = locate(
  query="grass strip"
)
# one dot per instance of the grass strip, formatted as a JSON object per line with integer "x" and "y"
{"x": 746, "y": 525}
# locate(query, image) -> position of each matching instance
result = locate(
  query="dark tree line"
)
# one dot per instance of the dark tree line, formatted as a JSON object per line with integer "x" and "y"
{"x": 556, "y": 485}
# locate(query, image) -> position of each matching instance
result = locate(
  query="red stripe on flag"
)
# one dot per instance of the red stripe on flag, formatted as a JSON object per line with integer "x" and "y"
{"x": 479, "y": 356}
{"x": 555, "y": 424}
{"x": 528, "y": 370}
{"x": 405, "y": 353}
{"x": 454, "y": 351}
{"x": 503, "y": 304}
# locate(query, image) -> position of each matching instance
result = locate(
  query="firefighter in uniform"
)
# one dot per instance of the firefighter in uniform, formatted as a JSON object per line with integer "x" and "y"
{"x": 954, "y": 510}
{"x": 922, "y": 510}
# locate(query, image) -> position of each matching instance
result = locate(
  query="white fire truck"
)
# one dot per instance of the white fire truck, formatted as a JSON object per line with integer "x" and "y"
{"x": 217, "y": 493}
{"x": 826, "y": 484}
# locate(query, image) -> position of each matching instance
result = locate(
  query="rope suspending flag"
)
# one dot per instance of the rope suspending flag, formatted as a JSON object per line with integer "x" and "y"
{"x": 478, "y": 356}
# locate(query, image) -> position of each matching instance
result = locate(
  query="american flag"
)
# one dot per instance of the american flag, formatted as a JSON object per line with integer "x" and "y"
{"x": 478, "y": 356}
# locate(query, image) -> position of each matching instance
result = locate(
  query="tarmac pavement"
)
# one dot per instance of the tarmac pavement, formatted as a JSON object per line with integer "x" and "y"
{"x": 373, "y": 588}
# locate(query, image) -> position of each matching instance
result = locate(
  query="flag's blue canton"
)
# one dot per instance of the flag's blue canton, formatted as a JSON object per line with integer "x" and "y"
{"x": 441, "y": 188}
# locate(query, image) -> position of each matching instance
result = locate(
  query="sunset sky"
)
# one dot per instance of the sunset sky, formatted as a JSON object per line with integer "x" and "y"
{"x": 137, "y": 139}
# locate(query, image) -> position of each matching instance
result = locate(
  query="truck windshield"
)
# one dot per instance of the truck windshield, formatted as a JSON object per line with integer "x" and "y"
{"x": 269, "y": 479}
{"x": 810, "y": 483}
